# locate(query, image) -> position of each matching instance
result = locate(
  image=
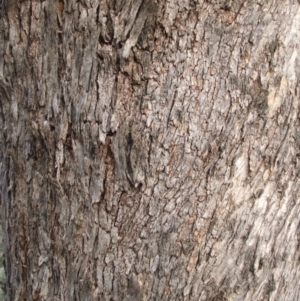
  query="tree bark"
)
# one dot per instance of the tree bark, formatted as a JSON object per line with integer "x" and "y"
{"x": 150, "y": 149}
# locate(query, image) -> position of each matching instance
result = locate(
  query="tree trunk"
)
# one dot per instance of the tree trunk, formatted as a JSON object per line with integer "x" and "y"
{"x": 150, "y": 149}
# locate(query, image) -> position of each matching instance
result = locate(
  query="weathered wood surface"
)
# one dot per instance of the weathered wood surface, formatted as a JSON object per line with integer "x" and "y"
{"x": 150, "y": 149}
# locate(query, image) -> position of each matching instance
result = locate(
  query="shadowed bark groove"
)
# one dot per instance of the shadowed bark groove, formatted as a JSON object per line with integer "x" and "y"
{"x": 150, "y": 149}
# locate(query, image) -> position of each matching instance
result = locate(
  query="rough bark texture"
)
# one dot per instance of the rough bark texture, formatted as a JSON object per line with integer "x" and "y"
{"x": 150, "y": 149}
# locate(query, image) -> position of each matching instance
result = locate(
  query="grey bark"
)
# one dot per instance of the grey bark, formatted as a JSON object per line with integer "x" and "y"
{"x": 150, "y": 149}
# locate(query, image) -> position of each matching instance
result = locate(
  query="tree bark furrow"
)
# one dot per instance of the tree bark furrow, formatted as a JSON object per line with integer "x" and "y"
{"x": 150, "y": 150}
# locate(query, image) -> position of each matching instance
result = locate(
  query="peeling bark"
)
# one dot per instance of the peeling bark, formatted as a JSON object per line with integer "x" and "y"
{"x": 150, "y": 149}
